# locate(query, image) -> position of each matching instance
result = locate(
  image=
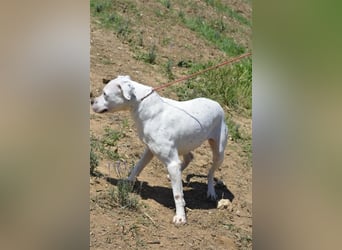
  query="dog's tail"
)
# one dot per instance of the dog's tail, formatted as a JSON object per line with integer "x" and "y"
{"x": 223, "y": 135}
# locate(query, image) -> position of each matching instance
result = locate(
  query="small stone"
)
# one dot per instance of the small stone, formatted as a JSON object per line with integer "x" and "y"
{"x": 225, "y": 204}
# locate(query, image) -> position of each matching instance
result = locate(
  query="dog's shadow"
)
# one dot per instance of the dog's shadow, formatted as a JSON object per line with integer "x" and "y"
{"x": 195, "y": 192}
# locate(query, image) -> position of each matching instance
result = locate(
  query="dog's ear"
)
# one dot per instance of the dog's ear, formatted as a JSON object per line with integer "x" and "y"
{"x": 105, "y": 81}
{"x": 127, "y": 90}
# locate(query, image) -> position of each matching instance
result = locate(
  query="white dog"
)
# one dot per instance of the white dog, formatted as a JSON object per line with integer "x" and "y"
{"x": 168, "y": 128}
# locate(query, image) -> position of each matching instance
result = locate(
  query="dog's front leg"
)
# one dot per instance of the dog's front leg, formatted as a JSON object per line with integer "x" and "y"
{"x": 145, "y": 159}
{"x": 175, "y": 173}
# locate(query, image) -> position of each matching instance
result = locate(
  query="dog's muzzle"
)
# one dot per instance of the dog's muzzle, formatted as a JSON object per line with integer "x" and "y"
{"x": 92, "y": 101}
{"x": 103, "y": 111}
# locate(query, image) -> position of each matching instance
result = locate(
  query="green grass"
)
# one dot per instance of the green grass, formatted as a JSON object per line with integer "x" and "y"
{"x": 111, "y": 137}
{"x": 104, "y": 147}
{"x": 247, "y": 149}
{"x": 241, "y": 137}
{"x": 105, "y": 60}
{"x": 122, "y": 195}
{"x": 234, "y": 131}
{"x": 109, "y": 18}
{"x": 216, "y": 31}
{"x": 213, "y": 33}
{"x": 168, "y": 70}
{"x": 94, "y": 161}
{"x": 244, "y": 241}
{"x": 230, "y": 85}
{"x": 111, "y": 15}
{"x": 219, "y": 25}
{"x": 220, "y": 7}
{"x": 148, "y": 57}
{"x": 94, "y": 157}
{"x": 166, "y": 3}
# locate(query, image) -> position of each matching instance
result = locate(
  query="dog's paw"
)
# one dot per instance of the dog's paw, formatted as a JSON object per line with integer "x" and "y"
{"x": 212, "y": 196}
{"x": 179, "y": 219}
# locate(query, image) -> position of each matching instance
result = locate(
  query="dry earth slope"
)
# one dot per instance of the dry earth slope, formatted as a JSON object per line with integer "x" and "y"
{"x": 153, "y": 42}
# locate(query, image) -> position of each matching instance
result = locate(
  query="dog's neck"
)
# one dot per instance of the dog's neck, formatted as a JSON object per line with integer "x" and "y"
{"x": 141, "y": 91}
{"x": 146, "y": 106}
{"x": 146, "y": 109}
{"x": 151, "y": 92}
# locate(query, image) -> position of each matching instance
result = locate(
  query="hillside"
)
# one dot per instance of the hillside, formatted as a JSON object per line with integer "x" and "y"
{"x": 156, "y": 41}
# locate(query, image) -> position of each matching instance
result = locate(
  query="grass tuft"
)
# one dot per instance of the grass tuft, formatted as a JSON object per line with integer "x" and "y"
{"x": 168, "y": 70}
{"x": 104, "y": 147}
{"x": 149, "y": 57}
{"x": 123, "y": 195}
{"x": 111, "y": 137}
{"x": 234, "y": 130}
{"x": 94, "y": 158}
{"x": 94, "y": 162}
{"x": 166, "y": 3}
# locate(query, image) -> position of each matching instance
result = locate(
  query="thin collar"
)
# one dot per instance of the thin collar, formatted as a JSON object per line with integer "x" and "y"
{"x": 147, "y": 95}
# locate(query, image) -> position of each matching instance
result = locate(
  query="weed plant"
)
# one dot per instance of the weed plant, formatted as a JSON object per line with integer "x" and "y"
{"x": 168, "y": 70}
{"x": 148, "y": 57}
{"x": 104, "y": 147}
{"x": 94, "y": 162}
{"x": 122, "y": 195}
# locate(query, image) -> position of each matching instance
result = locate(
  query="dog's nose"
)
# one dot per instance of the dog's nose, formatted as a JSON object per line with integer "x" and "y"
{"x": 91, "y": 101}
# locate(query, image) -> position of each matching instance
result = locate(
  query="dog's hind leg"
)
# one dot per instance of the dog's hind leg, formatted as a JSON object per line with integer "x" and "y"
{"x": 217, "y": 146}
{"x": 145, "y": 159}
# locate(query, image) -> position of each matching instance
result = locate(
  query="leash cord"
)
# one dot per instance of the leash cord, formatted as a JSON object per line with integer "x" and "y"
{"x": 201, "y": 72}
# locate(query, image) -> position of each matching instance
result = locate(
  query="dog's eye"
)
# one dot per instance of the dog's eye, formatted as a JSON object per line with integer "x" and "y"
{"x": 105, "y": 96}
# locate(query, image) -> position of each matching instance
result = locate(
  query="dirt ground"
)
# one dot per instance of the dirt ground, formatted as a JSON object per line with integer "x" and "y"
{"x": 150, "y": 227}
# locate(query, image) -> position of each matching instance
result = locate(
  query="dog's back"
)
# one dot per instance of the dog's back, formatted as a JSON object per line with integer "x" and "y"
{"x": 193, "y": 121}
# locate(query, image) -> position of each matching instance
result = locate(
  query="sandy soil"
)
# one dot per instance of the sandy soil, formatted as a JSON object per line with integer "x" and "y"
{"x": 150, "y": 226}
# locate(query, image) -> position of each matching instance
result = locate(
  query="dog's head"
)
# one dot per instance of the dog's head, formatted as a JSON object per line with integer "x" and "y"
{"x": 117, "y": 95}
